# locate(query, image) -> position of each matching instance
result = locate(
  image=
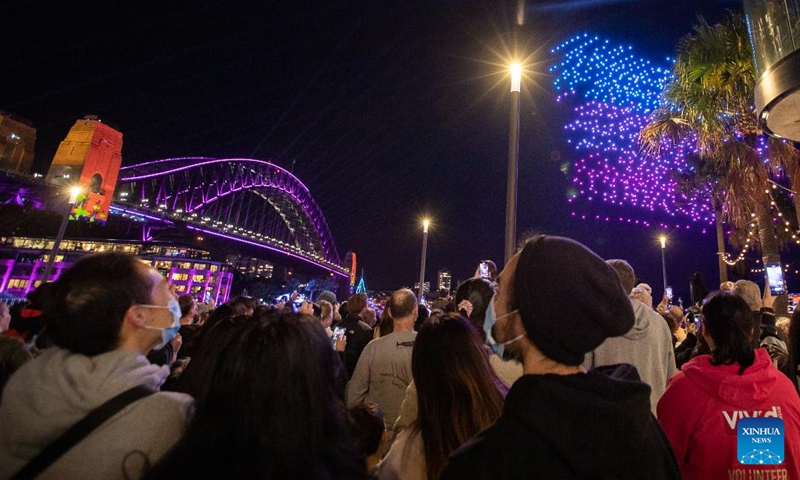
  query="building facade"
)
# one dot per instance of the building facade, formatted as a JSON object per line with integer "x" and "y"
{"x": 250, "y": 265}
{"x": 190, "y": 271}
{"x": 445, "y": 280}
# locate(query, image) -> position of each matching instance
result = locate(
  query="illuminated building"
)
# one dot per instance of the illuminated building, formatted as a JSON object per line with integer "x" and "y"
{"x": 189, "y": 270}
{"x": 17, "y": 140}
{"x": 89, "y": 157}
{"x": 250, "y": 265}
{"x": 445, "y": 279}
{"x": 426, "y": 288}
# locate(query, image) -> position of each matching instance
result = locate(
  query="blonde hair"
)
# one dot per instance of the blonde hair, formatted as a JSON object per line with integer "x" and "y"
{"x": 326, "y": 307}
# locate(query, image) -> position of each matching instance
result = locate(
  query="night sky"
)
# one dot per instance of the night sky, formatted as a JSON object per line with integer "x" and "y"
{"x": 387, "y": 111}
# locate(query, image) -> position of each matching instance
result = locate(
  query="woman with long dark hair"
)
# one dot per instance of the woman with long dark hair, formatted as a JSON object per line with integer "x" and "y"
{"x": 703, "y": 402}
{"x": 271, "y": 408}
{"x": 458, "y": 393}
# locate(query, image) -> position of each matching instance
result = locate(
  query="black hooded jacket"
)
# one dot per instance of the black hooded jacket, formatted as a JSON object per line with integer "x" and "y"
{"x": 593, "y": 425}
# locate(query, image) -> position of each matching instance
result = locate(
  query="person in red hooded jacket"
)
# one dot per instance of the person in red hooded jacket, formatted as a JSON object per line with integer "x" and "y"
{"x": 703, "y": 402}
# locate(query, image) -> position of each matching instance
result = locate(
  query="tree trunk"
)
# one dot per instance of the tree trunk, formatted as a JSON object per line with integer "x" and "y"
{"x": 723, "y": 267}
{"x": 770, "y": 252}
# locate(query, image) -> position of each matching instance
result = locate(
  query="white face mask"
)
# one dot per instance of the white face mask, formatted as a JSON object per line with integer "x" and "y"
{"x": 167, "y": 333}
{"x": 488, "y": 323}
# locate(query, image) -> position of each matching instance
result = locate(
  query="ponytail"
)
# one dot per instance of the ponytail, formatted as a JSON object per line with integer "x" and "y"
{"x": 729, "y": 322}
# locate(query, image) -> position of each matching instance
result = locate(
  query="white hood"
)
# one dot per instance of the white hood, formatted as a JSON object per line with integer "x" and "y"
{"x": 54, "y": 391}
{"x": 644, "y": 315}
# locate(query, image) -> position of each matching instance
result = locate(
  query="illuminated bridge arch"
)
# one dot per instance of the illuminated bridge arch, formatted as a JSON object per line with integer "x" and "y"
{"x": 242, "y": 198}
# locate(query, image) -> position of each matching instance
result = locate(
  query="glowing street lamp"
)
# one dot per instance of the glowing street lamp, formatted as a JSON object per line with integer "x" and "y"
{"x": 513, "y": 160}
{"x": 663, "y": 240}
{"x": 74, "y": 191}
{"x": 425, "y": 224}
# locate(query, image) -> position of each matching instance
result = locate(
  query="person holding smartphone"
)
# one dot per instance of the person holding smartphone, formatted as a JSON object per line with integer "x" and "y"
{"x": 486, "y": 270}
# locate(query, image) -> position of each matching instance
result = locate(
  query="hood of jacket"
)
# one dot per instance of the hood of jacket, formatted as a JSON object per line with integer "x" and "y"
{"x": 603, "y": 415}
{"x": 724, "y": 384}
{"x": 57, "y": 389}
{"x": 645, "y": 316}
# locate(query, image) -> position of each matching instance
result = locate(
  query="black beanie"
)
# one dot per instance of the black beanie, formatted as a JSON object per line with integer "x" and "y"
{"x": 568, "y": 298}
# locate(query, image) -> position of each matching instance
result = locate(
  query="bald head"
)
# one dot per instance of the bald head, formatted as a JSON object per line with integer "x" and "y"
{"x": 403, "y": 304}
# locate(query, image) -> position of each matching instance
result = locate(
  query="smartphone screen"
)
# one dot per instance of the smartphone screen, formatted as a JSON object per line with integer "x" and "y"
{"x": 696, "y": 320}
{"x": 338, "y": 333}
{"x": 669, "y": 292}
{"x": 484, "y": 270}
{"x": 775, "y": 278}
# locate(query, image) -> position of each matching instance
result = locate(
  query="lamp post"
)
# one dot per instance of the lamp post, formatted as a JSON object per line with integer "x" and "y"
{"x": 425, "y": 224}
{"x": 513, "y": 160}
{"x": 663, "y": 239}
{"x": 73, "y": 196}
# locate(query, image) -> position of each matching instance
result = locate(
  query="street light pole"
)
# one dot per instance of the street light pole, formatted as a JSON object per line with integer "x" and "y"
{"x": 663, "y": 239}
{"x": 73, "y": 196}
{"x": 425, "y": 224}
{"x": 513, "y": 160}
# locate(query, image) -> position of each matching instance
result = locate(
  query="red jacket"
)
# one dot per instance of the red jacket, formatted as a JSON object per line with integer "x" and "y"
{"x": 702, "y": 404}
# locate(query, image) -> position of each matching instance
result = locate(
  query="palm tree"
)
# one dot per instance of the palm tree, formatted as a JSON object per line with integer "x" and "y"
{"x": 706, "y": 177}
{"x": 709, "y": 101}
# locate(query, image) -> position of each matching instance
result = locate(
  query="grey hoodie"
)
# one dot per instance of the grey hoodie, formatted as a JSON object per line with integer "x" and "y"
{"x": 647, "y": 346}
{"x": 51, "y": 393}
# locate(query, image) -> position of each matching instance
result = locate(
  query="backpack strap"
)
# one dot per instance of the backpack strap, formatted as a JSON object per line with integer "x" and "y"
{"x": 79, "y": 431}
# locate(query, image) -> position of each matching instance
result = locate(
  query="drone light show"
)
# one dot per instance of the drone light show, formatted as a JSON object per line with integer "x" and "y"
{"x": 613, "y": 92}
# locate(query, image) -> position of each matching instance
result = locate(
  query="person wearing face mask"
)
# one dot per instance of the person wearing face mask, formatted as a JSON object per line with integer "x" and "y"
{"x": 556, "y": 301}
{"x": 103, "y": 315}
{"x": 166, "y": 352}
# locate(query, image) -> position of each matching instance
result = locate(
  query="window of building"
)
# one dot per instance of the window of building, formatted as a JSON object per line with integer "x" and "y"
{"x": 17, "y": 284}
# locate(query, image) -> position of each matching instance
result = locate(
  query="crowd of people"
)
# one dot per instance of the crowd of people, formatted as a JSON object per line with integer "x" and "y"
{"x": 107, "y": 374}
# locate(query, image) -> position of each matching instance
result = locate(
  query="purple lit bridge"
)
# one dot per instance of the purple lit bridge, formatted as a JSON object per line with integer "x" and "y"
{"x": 254, "y": 202}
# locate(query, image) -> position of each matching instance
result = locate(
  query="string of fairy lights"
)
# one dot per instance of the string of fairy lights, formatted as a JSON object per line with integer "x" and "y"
{"x": 778, "y": 218}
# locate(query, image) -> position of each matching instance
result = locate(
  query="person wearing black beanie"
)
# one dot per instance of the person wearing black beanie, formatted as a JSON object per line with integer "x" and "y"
{"x": 556, "y": 301}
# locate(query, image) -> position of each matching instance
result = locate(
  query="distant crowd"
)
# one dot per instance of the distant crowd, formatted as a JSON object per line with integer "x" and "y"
{"x": 559, "y": 366}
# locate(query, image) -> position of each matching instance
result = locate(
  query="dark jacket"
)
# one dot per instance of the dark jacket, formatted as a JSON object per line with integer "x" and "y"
{"x": 594, "y": 425}
{"x": 358, "y": 335}
{"x": 683, "y": 352}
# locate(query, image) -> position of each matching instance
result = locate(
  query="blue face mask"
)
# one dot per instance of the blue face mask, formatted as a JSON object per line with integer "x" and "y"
{"x": 488, "y": 323}
{"x": 167, "y": 333}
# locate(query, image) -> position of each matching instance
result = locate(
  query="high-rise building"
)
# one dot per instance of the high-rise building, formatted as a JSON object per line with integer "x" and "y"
{"x": 445, "y": 279}
{"x": 17, "y": 140}
{"x": 426, "y": 288}
{"x": 89, "y": 157}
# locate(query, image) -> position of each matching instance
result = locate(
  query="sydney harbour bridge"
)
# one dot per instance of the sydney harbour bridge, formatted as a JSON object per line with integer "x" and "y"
{"x": 251, "y": 202}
